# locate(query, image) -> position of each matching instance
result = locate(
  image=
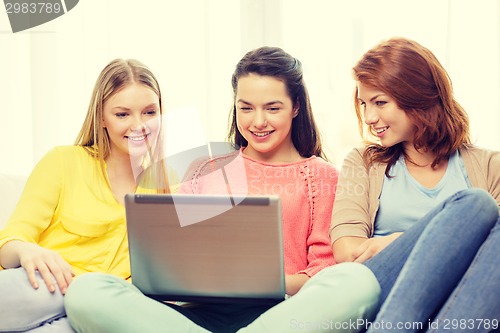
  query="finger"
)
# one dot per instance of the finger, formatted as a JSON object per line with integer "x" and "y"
{"x": 68, "y": 276}
{"x": 360, "y": 250}
{"x": 30, "y": 271}
{"x": 59, "y": 277}
{"x": 362, "y": 258}
{"x": 63, "y": 275}
{"x": 367, "y": 254}
{"x": 67, "y": 270}
{"x": 47, "y": 277}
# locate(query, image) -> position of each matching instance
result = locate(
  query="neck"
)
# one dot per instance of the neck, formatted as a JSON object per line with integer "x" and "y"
{"x": 123, "y": 165}
{"x": 281, "y": 156}
{"x": 420, "y": 158}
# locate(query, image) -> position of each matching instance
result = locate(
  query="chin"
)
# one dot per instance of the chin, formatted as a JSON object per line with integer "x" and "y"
{"x": 387, "y": 144}
{"x": 138, "y": 152}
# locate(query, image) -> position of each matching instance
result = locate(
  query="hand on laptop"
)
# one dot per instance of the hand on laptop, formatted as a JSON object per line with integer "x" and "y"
{"x": 52, "y": 267}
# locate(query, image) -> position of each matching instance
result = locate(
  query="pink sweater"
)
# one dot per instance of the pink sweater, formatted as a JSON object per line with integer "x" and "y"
{"x": 307, "y": 192}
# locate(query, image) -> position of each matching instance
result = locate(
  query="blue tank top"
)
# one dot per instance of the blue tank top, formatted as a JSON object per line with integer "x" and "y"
{"x": 403, "y": 200}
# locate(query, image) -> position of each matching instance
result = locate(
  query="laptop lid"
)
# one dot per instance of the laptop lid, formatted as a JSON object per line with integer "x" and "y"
{"x": 206, "y": 247}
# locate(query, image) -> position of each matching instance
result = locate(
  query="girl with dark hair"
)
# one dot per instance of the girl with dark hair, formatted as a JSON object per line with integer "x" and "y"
{"x": 419, "y": 206}
{"x": 274, "y": 63}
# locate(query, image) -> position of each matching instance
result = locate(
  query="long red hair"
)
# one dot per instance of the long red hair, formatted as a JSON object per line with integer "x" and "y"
{"x": 416, "y": 80}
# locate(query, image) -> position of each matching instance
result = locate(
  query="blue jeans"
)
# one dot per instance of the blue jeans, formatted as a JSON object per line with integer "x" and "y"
{"x": 442, "y": 275}
{"x": 339, "y": 297}
{"x": 24, "y": 309}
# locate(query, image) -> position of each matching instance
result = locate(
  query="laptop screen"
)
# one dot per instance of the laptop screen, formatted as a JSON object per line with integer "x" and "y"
{"x": 186, "y": 247}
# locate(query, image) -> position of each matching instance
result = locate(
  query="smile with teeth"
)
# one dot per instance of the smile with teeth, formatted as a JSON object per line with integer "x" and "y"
{"x": 381, "y": 129}
{"x": 137, "y": 138}
{"x": 262, "y": 134}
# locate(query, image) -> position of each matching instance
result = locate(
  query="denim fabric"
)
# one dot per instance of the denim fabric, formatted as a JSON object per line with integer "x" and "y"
{"x": 25, "y": 309}
{"x": 345, "y": 293}
{"x": 444, "y": 265}
{"x": 474, "y": 305}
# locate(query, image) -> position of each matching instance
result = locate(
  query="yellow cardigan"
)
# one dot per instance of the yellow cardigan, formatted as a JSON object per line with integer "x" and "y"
{"x": 67, "y": 206}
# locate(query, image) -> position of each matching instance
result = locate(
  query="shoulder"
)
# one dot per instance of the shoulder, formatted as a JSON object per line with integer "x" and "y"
{"x": 359, "y": 150}
{"x": 72, "y": 151}
{"x": 74, "y": 160}
{"x": 479, "y": 158}
{"x": 355, "y": 159}
{"x": 356, "y": 155}
{"x": 318, "y": 161}
{"x": 322, "y": 167}
{"x": 74, "y": 155}
{"x": 203, "y": 165}
{"x": 472, "y": 151}
{"x": 482, "y": 166}
{"x": 60, "y": 154}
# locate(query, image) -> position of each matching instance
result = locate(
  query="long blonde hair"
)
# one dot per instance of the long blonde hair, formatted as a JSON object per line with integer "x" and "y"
{"x": 93, "y": 137}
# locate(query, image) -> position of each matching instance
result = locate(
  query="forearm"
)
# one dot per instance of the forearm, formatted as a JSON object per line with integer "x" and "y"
{"x": 295, "y": 282}
{"x": 361, "y": 249}
{"x": 344, "y": 248}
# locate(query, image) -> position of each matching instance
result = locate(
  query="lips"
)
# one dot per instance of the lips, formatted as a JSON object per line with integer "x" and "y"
{"x": 137, "y": 138}
{"x": 381, "y": 130}
{"x": 262, "y": 134}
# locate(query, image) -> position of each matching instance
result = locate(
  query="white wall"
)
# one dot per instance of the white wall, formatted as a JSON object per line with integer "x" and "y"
{"x": 47, "y": 73}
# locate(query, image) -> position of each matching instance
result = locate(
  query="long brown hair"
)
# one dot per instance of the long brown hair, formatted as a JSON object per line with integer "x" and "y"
{"x": 421, "y": 87}
{"x": 115, "y": 76}
{"x": 274, "y": 62}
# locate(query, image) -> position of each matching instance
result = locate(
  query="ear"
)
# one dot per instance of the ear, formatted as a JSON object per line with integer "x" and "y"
{"x": 295, "y": 111}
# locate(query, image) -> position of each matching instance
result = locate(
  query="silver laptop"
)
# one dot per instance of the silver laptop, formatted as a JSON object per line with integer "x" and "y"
{"x": 206, "y": 247}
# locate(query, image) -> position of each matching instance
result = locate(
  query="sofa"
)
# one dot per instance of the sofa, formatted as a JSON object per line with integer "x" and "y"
{"x": 11, "y": 187}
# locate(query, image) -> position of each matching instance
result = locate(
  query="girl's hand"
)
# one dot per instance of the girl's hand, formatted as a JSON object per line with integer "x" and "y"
{"x": 372, "y": 246}
{"x": 52, "y": 267}
{"x": 294, "y": 282}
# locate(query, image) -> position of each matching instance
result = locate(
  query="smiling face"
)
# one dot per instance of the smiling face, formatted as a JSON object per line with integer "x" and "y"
{"x": 132, "y": 120}
{"x": 386, "y": 120}
{"x": 264, "y": 115}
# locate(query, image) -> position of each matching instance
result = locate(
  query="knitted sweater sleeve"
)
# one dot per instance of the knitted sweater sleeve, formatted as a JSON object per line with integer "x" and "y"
{"x": 323, "y": 183}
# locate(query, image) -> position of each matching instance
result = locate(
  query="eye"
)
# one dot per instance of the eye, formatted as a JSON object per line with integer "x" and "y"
{"x": 121, "y": 114}
{"x": 380, "y": 103}
{"x": 245, "y": 108}
{"x": 152, "y": 112}
{"x": 362, "y": 104}
{"x": 273, "y": 108}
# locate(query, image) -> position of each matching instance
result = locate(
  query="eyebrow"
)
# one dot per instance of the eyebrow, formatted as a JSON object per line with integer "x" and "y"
{"x": 128, "y": 109}
{"x": 267, "y": 104}
{"x": 373, "y": 98}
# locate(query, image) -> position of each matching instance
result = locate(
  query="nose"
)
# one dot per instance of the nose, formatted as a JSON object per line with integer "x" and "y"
{"x": 260, "y": 119}
{"x": 371, "y": 115}
{"x": 137, "y": 124}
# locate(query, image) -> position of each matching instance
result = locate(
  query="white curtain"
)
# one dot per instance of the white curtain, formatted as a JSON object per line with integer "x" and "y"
{"x": 47, "y": 73}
